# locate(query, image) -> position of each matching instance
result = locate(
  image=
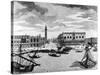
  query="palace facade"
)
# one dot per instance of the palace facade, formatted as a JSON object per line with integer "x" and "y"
{"x": 67, "y": 38}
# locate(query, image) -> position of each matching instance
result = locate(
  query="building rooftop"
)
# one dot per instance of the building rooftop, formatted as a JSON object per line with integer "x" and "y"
{"x": 73, "y": 32}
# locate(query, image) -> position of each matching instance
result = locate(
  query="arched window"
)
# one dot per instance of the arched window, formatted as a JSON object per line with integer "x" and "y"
{"x": 34, "y": 39}
{"x": 37, "y": 45}
{"x": 34, "y": 45}
{"x": 79, "y": 36}
{"x": 82, "y": 36}
{"x": 67, "y": 36}
{"x": 37, "y": 40}
{"x": 64, "y": 37}
{"x": 31, "y": 39}
{"x": 76, "y": 36}
{"x": 70, "y": 36}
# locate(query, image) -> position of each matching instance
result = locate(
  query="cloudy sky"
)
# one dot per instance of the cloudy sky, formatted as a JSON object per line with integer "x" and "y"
{"x": 31, "y": 17}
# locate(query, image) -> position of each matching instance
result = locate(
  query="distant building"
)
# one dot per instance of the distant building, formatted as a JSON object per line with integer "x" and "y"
{"x": 16, "y": 40}
{"x": 37, "y": 41}
{"x": 28, "y": 41}
{"x": 92, "y": 40}
{"x": 67, "y": 38}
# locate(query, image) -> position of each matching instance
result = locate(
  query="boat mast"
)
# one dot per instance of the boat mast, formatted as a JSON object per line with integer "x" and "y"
{"x": 20, "y": 46}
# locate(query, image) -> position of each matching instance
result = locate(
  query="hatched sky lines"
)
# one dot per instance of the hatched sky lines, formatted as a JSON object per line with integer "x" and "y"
{"x": 31, "y": 17}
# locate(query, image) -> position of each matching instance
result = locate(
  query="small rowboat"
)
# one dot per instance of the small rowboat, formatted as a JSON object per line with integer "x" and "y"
{"x": 54, "y": 54}
{"x": 34, "y": 56}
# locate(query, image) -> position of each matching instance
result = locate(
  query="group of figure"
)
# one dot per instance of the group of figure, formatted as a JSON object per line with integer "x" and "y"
{"x": 88, "y": 60}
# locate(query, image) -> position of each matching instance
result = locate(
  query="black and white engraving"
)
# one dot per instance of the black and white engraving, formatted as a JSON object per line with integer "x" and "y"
{"x": 49, "y": 37}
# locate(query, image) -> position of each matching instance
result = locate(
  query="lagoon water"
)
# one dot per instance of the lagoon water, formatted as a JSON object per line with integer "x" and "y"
{"x": 62, "y": 63}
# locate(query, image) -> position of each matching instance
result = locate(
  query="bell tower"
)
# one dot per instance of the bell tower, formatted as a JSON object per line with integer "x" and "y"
{"x": 45, "y": 32}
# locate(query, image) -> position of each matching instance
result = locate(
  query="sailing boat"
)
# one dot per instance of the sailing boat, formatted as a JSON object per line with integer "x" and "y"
{"x": 18, "y": 67}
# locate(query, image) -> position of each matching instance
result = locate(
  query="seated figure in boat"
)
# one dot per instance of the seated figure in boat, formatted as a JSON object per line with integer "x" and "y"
{"x": 54, "y": 53}
{"x": 88, "y": 60}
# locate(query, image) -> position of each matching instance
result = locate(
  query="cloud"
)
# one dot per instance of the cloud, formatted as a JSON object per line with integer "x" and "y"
{"x": 28, "y": 7}
{"x": 57, "y": 17}
{"x": 82, "y": 7}
{"x": 86, "y": 25}
{"x": 91, "y": 14}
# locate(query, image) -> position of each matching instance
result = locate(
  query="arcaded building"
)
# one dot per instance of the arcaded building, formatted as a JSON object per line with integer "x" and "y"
{"x": 68, "y": 38}
{"x": 37, "y": 41}
{"x": 28, "y": 41}
{"x": 20, "y": 39}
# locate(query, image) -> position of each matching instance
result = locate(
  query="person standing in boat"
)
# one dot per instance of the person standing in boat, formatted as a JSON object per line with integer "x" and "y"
{"x": 88, "y": 60}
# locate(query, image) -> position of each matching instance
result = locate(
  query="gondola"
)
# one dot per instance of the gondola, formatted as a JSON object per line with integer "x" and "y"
{"x": 34, "y": 56}
{"x": 79, "y": 51}
{"x": 88, "y": 64}
{"x": 53, "y": 53}
{"x": 67, "y": 49}
{"x": 17, "y": 67}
